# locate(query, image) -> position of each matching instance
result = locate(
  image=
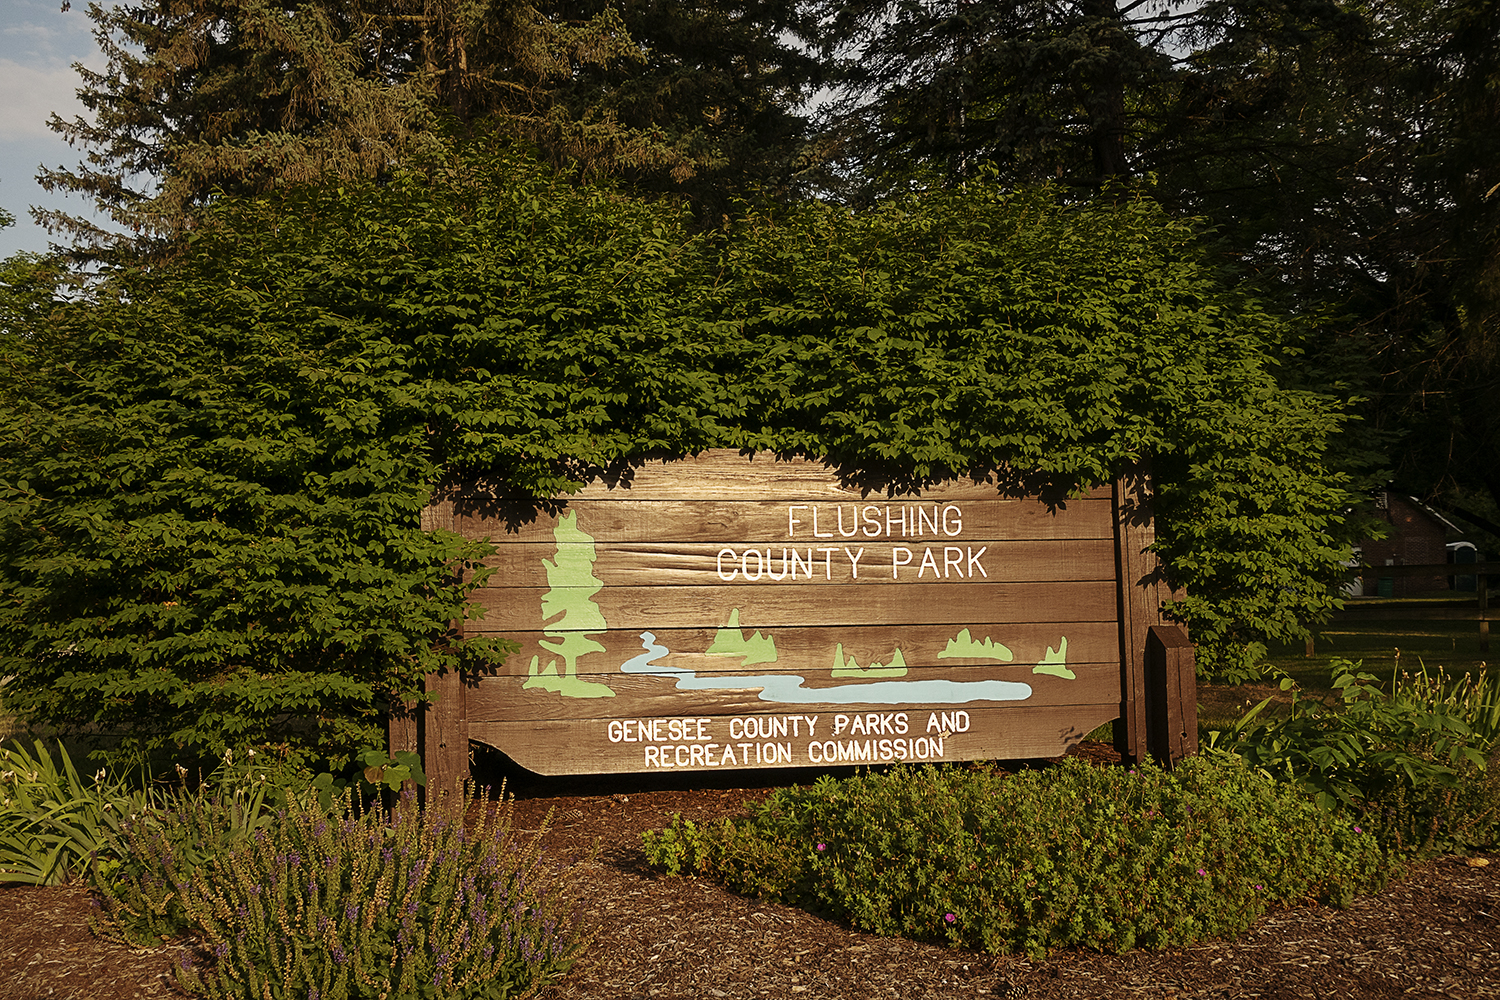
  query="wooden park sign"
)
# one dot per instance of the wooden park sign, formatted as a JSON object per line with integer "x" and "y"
{"x": 719, "y": 613}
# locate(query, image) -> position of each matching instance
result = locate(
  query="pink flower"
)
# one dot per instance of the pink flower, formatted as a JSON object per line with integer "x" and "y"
{"x": 949, "y": 917}
{"x": 822, "y": 846}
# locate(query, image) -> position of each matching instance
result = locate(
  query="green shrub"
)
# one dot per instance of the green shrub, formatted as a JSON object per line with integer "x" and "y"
{"x": 54, "y": 823}
{"x": 1072, "y": 855}
{"x": 351, "y": 903}
{"x": 1409, "y": 764}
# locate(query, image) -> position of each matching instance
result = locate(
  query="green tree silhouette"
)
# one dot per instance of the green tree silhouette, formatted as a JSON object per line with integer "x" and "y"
{"x": 730, "y": 641}
{"x": 572, "y": 586}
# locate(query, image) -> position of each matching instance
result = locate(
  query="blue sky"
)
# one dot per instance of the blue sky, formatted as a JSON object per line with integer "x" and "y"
{"x": 38, "y": 45}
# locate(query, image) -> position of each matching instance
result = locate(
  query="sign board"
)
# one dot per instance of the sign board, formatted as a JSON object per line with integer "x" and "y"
{"x": 720, "y": 613}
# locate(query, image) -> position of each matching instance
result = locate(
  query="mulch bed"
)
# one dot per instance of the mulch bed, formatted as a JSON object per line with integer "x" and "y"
{"x": 1435, "y": 933}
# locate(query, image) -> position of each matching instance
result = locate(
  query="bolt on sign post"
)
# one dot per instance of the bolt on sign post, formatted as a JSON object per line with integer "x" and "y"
{"x": 722, "y": 612}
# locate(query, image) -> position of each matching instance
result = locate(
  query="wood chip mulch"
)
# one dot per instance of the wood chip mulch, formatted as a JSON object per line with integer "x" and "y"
{"x": 1434, "y": 933}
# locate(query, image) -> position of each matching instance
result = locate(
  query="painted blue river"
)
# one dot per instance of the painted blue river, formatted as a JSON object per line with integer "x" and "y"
{"x": 789, "y": 689}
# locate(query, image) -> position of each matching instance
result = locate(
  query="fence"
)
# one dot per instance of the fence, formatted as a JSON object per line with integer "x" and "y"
{"x": 1476, "y": 608}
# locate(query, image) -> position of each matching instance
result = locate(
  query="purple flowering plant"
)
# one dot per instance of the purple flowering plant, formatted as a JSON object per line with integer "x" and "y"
{"x": 360, "y": 901}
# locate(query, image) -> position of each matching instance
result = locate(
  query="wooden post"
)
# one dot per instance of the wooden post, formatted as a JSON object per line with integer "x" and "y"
{"x": 444, "y": 721}
{"x": 1171, "y": 695}
{"x": 445, "y": 735}
{"x": 1141, "y": 590}
{"x": 1483, "y": 586}
{"x": 402, "y": 729}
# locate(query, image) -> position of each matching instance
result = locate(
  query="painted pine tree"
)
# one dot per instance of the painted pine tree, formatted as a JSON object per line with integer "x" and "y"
{"x": 571, "y": 587}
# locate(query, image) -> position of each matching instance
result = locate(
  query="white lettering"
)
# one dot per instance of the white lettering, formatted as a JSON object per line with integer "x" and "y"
{"x": 958, "y": 520}
{"x": 760, "y": 567}
{"x": 854, "y": 558}
{"x": 828, "y": 552}
{"x": 792, "y": 520}
{"x": 953, "y": 558}
{"x": 928, "y": 559}
{"x": 974, "y": 562}
{"x": 854, "y": 529}
{"x": 897, "y": 562}
{"x": 872, "y": 524}
{"x": 816, "y": 532}
{"x": 732, "y": 572}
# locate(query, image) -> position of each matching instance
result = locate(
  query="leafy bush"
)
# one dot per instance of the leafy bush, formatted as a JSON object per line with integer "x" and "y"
{"x": 349, "y": 903}
{"x": 1409, "y": 764}
{"x": 213, "y": 464}
{"x": 1072, "y": 855}
{"x": 53, "y": 823}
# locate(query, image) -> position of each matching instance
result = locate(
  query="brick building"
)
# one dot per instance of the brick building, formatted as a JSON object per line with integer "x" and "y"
{"x": 1418, "y": 536}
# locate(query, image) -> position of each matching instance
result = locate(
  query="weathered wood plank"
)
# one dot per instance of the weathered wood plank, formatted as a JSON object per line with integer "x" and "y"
{"x": 605, "y": 745}
{"x": 728, "y": 521}
{"x": 724, "y": 472}
{"x": 506, "y": 699}
{"x": 814, "y": 648}
{"x": 684, "y": 564}
{"x": 515, "y": 610}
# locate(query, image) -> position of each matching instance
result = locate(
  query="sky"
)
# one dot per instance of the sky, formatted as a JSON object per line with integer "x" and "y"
{"x": 38, "y": 45}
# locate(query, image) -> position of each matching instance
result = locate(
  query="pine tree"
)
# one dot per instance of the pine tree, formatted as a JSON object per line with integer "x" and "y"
{"x": 199, "y": 100}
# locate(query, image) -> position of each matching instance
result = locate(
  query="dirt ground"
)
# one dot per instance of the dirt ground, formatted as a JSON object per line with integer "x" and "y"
{"x": 1435, "y": 933}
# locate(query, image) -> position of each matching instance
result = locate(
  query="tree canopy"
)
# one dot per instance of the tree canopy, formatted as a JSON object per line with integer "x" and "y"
{"x": 1346, "y": 154}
